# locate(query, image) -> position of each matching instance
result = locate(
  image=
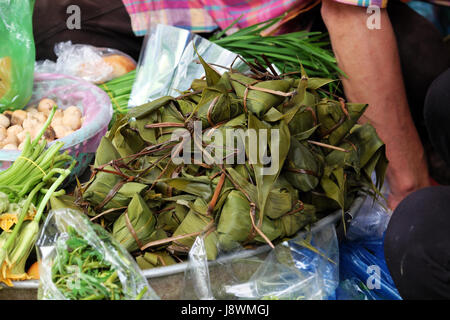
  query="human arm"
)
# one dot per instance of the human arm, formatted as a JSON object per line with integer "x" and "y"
{"x": 370, "y": 60}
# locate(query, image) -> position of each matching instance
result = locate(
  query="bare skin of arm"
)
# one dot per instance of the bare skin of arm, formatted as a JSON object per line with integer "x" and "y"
{"x": 370, "y": 60}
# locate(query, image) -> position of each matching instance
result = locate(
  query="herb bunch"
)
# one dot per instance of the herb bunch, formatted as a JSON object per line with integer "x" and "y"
{"x": 81, "y": 272}
{"x": 285, "y": 51}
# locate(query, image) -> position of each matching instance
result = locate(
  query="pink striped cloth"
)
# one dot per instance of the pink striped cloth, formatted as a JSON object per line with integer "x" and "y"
{"x": 208, "y": 15}
{"x": 203, "y": 15}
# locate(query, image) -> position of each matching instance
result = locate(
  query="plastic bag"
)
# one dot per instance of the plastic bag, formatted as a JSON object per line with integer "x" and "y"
{"x": 96, "y": 65}
{"x": 372, "y": 218}
{"x": 167, "y": 63}
{"x": 363, "y": 272}
{"x": 305, "y": 267}
{"x": 370, "y": 222}
{"x": 197, "y": 273}
{"x": 94, "y": 104}
{"x": 17, "y": 53}
{"x": 52, "y": 245}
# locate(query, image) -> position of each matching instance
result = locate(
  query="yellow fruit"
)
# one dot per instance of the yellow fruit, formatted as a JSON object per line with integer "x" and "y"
{"x": 33, "y": 271}
{"x": 5, "y": 75}
{"x": 121, "y": 64}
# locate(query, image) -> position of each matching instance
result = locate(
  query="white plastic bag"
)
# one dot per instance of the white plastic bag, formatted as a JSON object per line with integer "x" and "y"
{"x": 84, "y": 61}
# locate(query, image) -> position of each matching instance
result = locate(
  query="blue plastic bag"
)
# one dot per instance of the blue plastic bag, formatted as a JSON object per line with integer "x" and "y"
{"x": 363, "y": 272}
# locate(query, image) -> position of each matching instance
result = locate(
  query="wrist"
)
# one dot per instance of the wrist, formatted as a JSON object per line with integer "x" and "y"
{"x": 402, "y": 182}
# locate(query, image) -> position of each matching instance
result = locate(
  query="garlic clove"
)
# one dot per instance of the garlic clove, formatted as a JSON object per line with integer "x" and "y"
{"x": 4, "y": 121}
{"x": 18, "y": 117}
{"x": 46, "y": 105}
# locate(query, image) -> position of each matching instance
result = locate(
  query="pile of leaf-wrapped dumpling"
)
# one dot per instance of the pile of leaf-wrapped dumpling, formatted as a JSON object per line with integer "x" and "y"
{"x": 156, "y": 207}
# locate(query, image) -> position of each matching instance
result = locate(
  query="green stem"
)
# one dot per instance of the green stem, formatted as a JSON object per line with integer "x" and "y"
{"x": 23, "y": 214}
{"x": 28, "y": 166}
{"x": 56, "y": 193}
{"x": 46, "y": 124}
{"x": 63, "y": 175}
{"x": 29, "y": 184}
{"x": 36, "y": 174}
{"x": 111, "y": 278}
{"x": 43, "y": 163}
{"x": 93, "y": 297}
{"x": 141, "y": 294}
{"x": 19, "y": 163}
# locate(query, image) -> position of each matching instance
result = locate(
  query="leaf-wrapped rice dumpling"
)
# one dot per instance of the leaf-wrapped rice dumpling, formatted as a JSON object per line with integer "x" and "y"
{"x": 366, "y": 152}
{"x": 216, "y": 106}
{"x": 280, "y": 199}
{"x": 138, "y": 221}
{"x": 171, "y": 216}
{"x": 124, "y": 138}
{"x": 234, "y": 224}
{"x": 303, "y": 168}
{"x": 259, "y": 102}
{"x": 196, "y": 222}
{"x": 298, "y": 154}
{"x": 65, "y": 201}
{"x": 304, "y": 117}
{"x": 150, "y": 260}
{"x": 98, "y": 192}
{"x": 105, "y": 184}
{"x": 148, "y": 135}
{"x": 294, "y": 222}
{"x": 337, "y": 118}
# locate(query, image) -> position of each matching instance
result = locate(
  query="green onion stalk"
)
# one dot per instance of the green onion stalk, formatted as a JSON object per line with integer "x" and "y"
{"x": 285, "y": 51}
{"x": 119, "y": 91}
{"x": 36, "y": 171}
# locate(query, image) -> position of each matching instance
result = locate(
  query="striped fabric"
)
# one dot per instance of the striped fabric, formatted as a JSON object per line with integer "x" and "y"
{"x": 365, "y": 3}
{"x": 203, "y": 15}
{"x": 184, "y": 14}
{"x": 208, "y": 15}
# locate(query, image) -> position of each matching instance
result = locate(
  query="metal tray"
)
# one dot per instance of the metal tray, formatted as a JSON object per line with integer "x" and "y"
{"x": 166, "y": 280}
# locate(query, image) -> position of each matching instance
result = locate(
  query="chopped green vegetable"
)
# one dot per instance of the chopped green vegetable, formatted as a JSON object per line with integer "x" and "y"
{"x": 80, "y": 272}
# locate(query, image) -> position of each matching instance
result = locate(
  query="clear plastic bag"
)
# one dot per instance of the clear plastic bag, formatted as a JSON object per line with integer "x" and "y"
{"x": 167, "y": 63}
{"x": 370, "y": 222}
{"x": 52, "y": 244}
{"x": 17, "y": 53}
{"x": 197, "y": 273}
{"x": 372, "y": 218}
{"x": 86, "y": 62}
{"x": 304, "y": 268}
